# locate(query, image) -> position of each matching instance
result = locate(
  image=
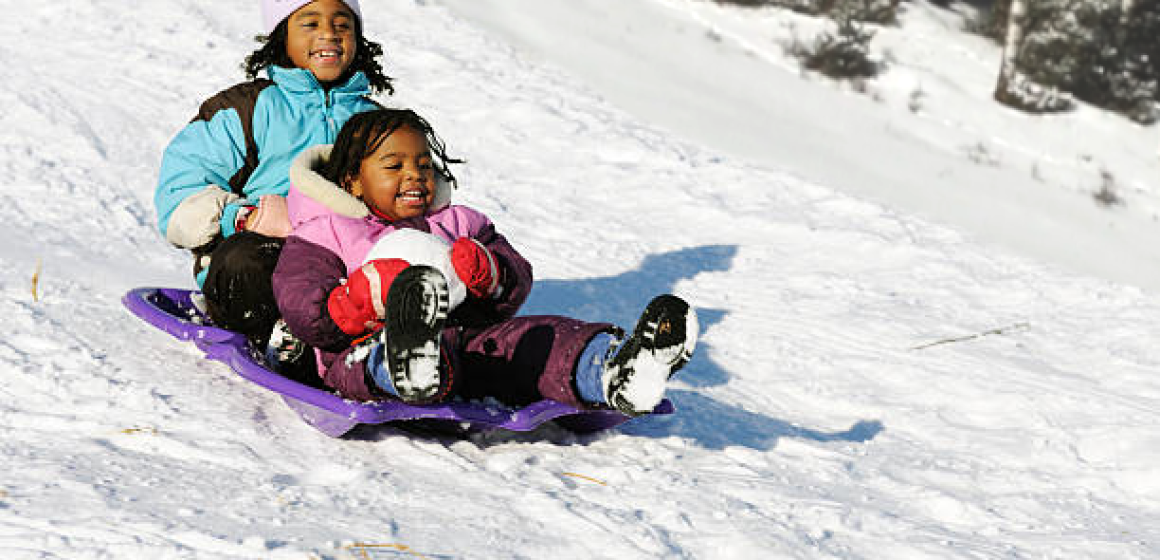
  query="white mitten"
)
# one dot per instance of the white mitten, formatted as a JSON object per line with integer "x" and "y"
{"x": 197, "y": 220}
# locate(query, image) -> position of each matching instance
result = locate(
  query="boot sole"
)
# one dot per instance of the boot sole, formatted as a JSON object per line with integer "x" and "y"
{"x": 668, "y": 330}
{"x": 417, "y": 304}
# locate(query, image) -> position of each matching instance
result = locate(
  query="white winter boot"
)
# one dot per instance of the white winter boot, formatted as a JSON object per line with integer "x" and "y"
{"x": 661, "y": 343}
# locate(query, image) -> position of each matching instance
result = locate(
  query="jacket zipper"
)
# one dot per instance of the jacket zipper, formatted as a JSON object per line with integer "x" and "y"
{"x": 330, "y": 131}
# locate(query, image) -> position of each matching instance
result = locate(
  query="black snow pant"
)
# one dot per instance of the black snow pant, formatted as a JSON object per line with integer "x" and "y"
{"x": 237, "y": 287}
{"x": 239, "y": 296}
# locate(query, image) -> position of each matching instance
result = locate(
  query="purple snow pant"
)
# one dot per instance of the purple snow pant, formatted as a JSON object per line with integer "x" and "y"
{"x": 519, "y": 361}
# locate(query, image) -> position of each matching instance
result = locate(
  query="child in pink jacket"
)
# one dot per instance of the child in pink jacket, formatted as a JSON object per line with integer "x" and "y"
{"x": 384, "y": 328}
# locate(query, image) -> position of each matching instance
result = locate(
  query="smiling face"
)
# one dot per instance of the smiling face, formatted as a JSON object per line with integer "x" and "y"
{"x": 321, "y": 37}
{"x": 398, "y": 179}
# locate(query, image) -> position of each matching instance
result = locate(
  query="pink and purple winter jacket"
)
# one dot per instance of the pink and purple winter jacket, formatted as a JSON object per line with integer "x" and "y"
{"x": 493, "y": 353}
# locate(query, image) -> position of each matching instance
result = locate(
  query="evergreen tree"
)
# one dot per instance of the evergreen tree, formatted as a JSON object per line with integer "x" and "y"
{"x": 1104, "y": 52}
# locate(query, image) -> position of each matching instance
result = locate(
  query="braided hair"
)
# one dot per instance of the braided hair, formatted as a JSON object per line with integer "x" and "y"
{"x": 273, "y": 53}
{"x": 364, "y": 132}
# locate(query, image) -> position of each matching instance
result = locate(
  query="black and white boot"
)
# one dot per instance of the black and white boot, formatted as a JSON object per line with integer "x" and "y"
{"x": 661, "y": 343}
{"x": 404, "y": 354}
{"x": 283, "y": 347}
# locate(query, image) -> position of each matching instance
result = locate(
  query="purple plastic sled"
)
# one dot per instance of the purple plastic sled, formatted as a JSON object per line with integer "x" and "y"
{"x": 172, "y": 311}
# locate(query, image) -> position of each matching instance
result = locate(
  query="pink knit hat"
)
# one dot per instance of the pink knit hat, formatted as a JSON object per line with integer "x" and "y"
{"x": 274, "y": 11}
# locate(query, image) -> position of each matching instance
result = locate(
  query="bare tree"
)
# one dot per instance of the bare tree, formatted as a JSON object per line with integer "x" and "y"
{"x": 1004, "y": 89}
{"x": 1000, "y": 16}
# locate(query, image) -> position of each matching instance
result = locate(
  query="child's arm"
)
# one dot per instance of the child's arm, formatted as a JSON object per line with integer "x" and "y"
{"x": 514, "y": 283}
{"x": 204, "y": 167}
{"x": 303, "y": 280}
{"x": 193, "y": 190}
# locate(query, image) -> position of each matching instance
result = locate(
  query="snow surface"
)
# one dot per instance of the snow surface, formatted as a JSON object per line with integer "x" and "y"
{"x": 869, "y": 384}
{"x": 925, "y": 138}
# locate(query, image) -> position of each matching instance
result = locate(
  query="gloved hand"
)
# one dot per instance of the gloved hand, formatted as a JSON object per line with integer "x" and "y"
{"x": 270, "y": 218}
{"x": 359, "y": 306}
{"x": 475, "y": 266}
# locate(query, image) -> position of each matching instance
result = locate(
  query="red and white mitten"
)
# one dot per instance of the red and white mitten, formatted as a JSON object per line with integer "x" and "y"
{"x": 476, "y": 266}
{"x": 360, "y": 305}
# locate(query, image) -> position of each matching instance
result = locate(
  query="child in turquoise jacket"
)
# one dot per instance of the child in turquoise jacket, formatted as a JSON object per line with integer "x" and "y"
{"x": 224, "y": 177}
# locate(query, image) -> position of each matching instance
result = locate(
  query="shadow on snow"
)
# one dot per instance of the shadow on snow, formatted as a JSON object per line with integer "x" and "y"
{"x": 716, "y": 425}
{"x": 712, "y": 424}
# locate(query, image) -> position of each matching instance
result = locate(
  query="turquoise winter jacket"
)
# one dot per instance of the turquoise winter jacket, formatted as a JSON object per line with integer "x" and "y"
{"x": 240, "y": 147}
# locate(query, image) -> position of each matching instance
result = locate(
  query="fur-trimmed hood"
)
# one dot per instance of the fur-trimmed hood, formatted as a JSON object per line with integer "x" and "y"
{"x": 325, "y": 215}
{"x": 329, "y": 197}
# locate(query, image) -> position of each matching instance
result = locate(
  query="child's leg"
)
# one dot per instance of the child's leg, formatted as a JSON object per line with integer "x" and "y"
{"x": 404, "y": 356}
{"x": 631, "y": 375}
{"x": 524, "y": 359}
{"x": 237, "y": 287}
{"x": 404, "y": 359}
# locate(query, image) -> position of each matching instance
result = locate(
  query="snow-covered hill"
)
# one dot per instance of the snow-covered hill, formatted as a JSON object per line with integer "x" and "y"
{"x": 924, "y": 137}
{"x": 837, "y": 408}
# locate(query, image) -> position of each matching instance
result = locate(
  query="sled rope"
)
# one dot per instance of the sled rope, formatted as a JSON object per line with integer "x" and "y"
{"x": 1001, "y": 330}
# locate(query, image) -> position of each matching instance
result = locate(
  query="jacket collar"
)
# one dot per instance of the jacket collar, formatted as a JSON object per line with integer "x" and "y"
{"x": 309, "y": 182}
{"x": 301, "y": 80}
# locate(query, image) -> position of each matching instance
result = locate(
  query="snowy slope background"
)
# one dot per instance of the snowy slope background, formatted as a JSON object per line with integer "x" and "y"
{"x": 925, "y": 136}
{"x": 816, "y": 421}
